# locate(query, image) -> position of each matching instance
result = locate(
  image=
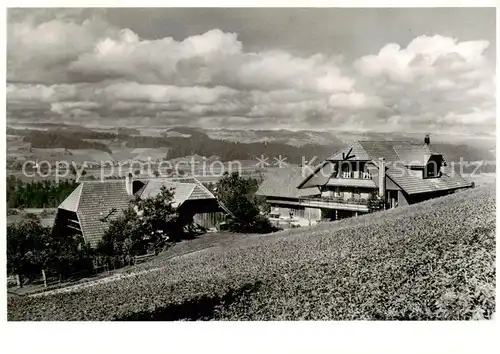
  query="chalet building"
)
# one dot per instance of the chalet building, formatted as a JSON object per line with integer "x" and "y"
{"x": 399, "y": 172}
{"x": 93, "y": 204}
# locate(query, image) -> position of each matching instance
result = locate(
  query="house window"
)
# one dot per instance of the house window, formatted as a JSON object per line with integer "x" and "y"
{"x": 356, "y": 193}
{"x": 431, "y": 172}
{"x": 366, "y": 175}
{"x": 433, "y": 169}
{"x": 346, "y": 170}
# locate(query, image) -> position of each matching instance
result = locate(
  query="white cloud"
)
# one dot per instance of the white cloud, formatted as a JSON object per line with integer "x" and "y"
{"x": 355, "y": 100}
{"x": 424, "y": 56}
{"x": 67, "y": 64}
{"x": 434, "y": 80}
{"x": 63, "y": 108}
{"x": 163, "y": 93}
{"x": 475, "y": 117}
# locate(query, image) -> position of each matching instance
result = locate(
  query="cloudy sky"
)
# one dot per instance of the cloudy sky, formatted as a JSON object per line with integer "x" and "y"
{"x": 425, "y": 70}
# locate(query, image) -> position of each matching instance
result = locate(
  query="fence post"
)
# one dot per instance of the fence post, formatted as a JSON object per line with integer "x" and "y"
{"x": 18, "y": 281}
{"x": 44, "y": 278}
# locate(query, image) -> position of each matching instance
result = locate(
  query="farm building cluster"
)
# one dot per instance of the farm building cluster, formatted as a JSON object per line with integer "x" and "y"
{"x": 93, "y": 204}
{"x": 397, "y": 172}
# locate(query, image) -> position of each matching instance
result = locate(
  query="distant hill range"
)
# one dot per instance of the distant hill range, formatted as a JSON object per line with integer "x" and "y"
{"x": 175, "y": 142}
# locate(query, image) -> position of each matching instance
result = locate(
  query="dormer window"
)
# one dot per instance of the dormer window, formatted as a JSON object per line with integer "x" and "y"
{"x": 432, "y": 170}
{"x": 431, "y": 173}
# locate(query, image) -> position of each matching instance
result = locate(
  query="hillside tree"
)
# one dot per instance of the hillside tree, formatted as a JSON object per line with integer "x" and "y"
{"x": 144, "y": 227}
{"x": 238, "y": 195}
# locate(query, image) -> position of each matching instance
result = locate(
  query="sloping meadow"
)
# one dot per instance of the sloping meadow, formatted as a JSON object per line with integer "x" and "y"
{"x": 433, "y": 260}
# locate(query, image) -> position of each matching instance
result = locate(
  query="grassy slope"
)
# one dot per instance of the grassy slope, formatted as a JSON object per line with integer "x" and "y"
{"x": 434, "y": 260}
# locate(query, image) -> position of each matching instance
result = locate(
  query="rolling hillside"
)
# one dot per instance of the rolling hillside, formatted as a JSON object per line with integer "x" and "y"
{"x": 433, "y": 260}
{"x": 227, "y": 144}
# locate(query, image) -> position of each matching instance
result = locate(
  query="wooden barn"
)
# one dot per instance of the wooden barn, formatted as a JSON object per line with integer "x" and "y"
{"x": 93, "y": 204}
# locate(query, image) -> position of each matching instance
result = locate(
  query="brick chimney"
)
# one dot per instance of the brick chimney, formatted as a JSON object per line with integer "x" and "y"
{"x": 128, "y": 184}
{"x": 427, "y": 140}
{"x": 381, "y": 177}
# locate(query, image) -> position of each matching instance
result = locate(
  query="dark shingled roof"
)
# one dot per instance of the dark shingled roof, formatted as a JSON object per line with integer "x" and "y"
{"x": 317, "y": 176}
{"x": 283, "y": 182}
{"x": 399, "y": 157}
{"x": 413, "y": 184}
{"x": 183, "y": 190}
{"x": 96, "y": 202}
{"x": 378, "y": 149}
{"x": 356, "y": 150}
{"x": 393, "y": 151}
{"x": 389, "y": 183}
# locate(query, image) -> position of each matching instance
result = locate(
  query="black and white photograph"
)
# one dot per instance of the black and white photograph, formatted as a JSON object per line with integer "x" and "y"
{"x": 250, "y": 164}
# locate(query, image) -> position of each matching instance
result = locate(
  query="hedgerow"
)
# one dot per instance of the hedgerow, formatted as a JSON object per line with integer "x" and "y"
{"x": 433, "y": 260}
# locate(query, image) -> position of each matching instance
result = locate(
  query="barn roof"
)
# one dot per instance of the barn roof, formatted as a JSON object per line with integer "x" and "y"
{"x": 72, "y": 201}
{"x": 182, "y": 190}
{"x": 98, "y": 202}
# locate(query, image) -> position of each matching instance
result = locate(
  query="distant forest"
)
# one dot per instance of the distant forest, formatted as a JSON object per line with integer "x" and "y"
{"x": 198, "y": 143}
{"x": 40, "y": 194}
{"x": 63, "y": 139}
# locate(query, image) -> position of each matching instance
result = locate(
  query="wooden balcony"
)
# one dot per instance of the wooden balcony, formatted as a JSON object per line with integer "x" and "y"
{"x": 354, "y": 204}
{"x": 351, "y": 182}
{"x": 353, "y": 175}
{"x": 339, "y": 203}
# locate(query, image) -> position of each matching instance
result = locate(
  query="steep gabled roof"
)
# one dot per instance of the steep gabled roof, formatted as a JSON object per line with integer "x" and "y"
{"x": 185, "y": 188}
{"x": 182, "y": 191}
{"x": 318, "y": 176}
{"x": 416, "y": 155}
{"x": 412, "y": 184}
{"x": 282, "y": 182}
{"x": 378, "y": 149}
{"x": 71, "y": 202}
{"x": 413, "y": 155}
{"x": 399, "y": 156}
{"x": 99, "y": 203}
{"x": 355, "y": 150}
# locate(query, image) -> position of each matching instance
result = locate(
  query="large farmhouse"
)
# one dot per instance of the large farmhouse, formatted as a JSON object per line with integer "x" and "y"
{"x": 399, "y": 172}
{"x": 93, "y": 204}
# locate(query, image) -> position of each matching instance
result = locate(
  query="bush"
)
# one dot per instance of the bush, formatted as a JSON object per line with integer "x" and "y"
{"x": 375, "y": 203}
{"x": 32, "y": 247}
